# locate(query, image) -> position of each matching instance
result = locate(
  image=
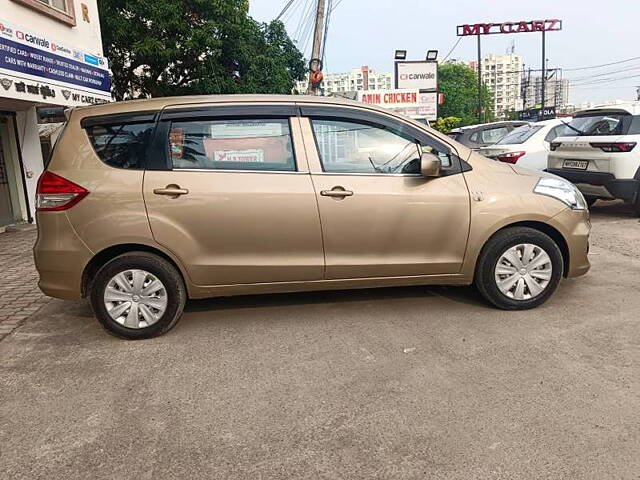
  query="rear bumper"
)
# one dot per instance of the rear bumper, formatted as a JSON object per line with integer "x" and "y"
{"x": 60, "y": 256}
{"x": 593, "y": 183}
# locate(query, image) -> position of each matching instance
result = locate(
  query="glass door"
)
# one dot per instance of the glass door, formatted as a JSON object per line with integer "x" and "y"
{"x": 6, "y": 208}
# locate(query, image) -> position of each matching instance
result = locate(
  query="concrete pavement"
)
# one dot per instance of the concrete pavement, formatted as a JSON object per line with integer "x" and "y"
{"x": 20, "y": 296}
{"x": 391, "y": 383}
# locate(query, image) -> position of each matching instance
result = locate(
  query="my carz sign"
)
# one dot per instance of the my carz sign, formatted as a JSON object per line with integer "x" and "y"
{"x": 549, "y": 25}
{"x": 417, "y": 75}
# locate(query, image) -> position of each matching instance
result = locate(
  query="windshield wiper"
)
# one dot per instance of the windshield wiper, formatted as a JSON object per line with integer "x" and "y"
{"x": 580, "y": 132}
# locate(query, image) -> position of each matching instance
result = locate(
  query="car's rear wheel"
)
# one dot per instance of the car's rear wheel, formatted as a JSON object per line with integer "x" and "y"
{"x": 138, "y": 295}
{"x": 519, "y": 268}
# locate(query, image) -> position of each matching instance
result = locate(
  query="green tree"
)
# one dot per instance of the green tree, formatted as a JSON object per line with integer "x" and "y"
{"x": 445, "y": 124}
{"x": 180, "y": 47}
{"x": 459, "y": 83}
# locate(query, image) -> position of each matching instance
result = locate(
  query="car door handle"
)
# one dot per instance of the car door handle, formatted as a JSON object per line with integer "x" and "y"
{"x": 171, "y": 191}
{"x": 336, "y": 192}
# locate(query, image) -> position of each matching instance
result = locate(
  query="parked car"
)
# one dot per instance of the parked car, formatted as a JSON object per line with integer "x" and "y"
{"x": 147, "y": 203}
{"x": 482, "y": 135}
{"x": 599, "y": 153}
{"x": 528, "y": 145}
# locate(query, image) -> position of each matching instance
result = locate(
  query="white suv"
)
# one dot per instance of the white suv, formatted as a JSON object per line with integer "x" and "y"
{"x": 600, "y": 153}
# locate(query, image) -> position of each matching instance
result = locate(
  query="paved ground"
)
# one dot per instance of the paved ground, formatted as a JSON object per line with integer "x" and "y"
{"x": 19, "y": 293}
{"x": 396, "y": 383}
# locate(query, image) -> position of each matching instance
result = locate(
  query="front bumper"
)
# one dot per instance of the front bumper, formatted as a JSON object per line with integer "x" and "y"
{"x": 599, "y": 184}
{"x": 575, "y": 227}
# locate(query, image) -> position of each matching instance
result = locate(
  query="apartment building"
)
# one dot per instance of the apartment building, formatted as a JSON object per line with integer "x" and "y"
{"x": 502, "y": 74}
{"x": 557, "y": 91}
{"x": 51, "y": 58}
{"x": 363, "y": 78}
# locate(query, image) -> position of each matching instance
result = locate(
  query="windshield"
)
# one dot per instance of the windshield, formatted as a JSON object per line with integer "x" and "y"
{"x": 520, "y": 135}
{"x": 596, "y": 124}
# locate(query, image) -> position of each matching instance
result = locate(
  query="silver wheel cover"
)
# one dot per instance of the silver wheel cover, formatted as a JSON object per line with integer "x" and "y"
{"x": 523, "y": 272}
{"x": 135, "y": 298}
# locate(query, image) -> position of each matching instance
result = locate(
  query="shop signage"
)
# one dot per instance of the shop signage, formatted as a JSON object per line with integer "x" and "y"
{"x": 34, "y": 66}
{"x": 420, "y": 75}
{"x": 549, "y": 25}
{"x": 407, "y": 102}
{"x": 537, "y": 113}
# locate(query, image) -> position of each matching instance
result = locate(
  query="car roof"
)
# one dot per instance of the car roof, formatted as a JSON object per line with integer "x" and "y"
{"x": 630, "y": 107}
{"x": 159, "y": 103}
{"x": 493, "y": 124}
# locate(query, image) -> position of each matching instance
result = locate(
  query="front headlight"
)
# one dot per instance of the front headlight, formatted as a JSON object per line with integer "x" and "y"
{"x": 562, "y": 190}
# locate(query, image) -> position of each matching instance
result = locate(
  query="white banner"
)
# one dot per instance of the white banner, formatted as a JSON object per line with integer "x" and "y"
{"x": 407, "y": 102}
{"x": 420, "y": 75}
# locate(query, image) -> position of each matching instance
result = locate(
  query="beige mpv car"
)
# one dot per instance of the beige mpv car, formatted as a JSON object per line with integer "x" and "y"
{"x": 147, "y": 203}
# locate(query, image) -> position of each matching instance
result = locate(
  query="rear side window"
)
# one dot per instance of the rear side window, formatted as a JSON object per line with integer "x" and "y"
{"x": 493, "y": 135}
{"x": 233, "y": 144}
{"x": 121, "y": 145}
{"x": 520, "y": 135}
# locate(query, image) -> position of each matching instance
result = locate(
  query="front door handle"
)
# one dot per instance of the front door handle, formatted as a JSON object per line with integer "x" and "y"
{"x": 336, "y": 192}
{"x": 171, "y": 191}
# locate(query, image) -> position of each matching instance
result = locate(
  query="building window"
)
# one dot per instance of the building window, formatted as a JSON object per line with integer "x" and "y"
{"x": 61, "y": 10}
{"x": 57, "y": 4}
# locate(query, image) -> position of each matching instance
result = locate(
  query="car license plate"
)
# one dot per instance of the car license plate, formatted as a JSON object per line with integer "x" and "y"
{"x": 576, "y": 164}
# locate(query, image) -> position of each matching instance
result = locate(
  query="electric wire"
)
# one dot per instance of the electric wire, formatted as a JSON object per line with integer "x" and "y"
{"x": 284, "y": 10}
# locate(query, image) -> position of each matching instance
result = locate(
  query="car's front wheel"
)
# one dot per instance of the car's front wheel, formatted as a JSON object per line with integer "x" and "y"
{"x": 519, "y": 268}
{"x": 138, "y": 295}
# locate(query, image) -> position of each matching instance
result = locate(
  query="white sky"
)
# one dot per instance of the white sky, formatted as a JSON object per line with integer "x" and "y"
{"x": 366, "y": 32}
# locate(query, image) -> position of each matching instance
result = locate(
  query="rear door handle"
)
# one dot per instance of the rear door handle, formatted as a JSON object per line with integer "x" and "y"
{"x": 171, "y": 191}
{"x": 336, "y": 192}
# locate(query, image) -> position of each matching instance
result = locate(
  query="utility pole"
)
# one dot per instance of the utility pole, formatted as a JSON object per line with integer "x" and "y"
{"x": 544, "y": 72}
{"x": 315, "y": 64}
{"x": 480, "y": 113}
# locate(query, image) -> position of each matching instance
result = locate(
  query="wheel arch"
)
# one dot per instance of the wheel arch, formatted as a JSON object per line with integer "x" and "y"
{"x": 109, "y": 253}
{"x": 545, "y": 228}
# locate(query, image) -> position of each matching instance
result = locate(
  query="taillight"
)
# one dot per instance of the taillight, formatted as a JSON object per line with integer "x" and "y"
{"x": 56, "y": 193}
{"x": 615, "y": 146}
{"x": 554, "y": 145}
{"x": 511, "y": 157}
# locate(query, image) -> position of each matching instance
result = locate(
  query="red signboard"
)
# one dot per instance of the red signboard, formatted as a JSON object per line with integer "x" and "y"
{"x": 549, "y": 25}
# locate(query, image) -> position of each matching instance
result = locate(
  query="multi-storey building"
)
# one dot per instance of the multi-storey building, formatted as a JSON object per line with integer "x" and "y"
{"x": 502, "y": 74}
{"x": 556, "y": 91}
{"x": 51, "y": 58}
{"x": 356, "y": 79}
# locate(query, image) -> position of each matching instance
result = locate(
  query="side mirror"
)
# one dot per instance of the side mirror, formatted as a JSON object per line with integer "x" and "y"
{"x": 430, "y": 165}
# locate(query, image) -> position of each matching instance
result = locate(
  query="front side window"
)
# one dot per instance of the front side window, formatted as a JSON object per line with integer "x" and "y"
{"x": 233, "y": 144}
{"x": 352, "y": 147}
{"x": 121, "y": 145}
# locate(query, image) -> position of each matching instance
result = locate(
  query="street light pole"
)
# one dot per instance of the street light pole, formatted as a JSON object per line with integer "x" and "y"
{"x": 316, "y": 63}
{"x": 479, "y": 81}
{"x": 544, "y": 73}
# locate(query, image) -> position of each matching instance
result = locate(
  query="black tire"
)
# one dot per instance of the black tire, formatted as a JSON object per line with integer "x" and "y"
{"x": 590, "y": 200}
{"x": 158, "y": 267}
{"x": 498, "y": 244}
{"x": 636, "y": 205}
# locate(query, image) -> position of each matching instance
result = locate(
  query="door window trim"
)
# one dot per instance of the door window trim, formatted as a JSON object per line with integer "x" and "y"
{"x": 311, "y": 112}
{"x": 159, "y": 154}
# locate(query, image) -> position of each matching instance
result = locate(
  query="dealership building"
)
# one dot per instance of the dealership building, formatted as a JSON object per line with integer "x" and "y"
{"x": 50, "y": 58}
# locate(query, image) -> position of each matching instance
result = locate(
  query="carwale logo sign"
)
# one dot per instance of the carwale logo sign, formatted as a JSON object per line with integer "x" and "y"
{"x": 28, "y": 38}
